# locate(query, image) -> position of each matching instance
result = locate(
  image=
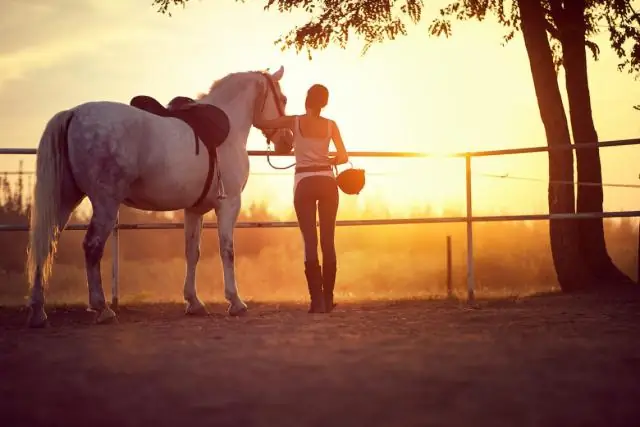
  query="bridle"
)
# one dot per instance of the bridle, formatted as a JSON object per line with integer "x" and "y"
{"x": 268, "y": 135}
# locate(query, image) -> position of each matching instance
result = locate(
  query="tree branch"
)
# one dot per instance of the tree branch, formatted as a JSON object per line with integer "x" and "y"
{"x": 376, "y": 21}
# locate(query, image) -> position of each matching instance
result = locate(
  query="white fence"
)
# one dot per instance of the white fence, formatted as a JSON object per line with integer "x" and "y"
{"x": 469, "y": 218}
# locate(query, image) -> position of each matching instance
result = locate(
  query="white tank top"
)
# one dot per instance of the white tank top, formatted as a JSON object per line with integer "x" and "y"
{"x": 310, "y": 151}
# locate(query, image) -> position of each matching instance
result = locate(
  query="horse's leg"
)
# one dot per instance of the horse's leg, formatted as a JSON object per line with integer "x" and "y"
{"x": 192, "y": 235}
{"x": 105, "y": 213}
{"x": 227, "y": 213}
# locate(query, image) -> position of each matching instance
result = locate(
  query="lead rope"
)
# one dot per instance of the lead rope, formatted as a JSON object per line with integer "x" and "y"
{"x": 335, "y": 167}
{"x": 269, "y": 159}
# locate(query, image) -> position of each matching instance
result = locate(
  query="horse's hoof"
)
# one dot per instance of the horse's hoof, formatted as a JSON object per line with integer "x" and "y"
{"x": 37, "y": 318}
{"x": 106, "y": 317}
{"x": 237, "y": 309}
{"x": 196, "y": 309}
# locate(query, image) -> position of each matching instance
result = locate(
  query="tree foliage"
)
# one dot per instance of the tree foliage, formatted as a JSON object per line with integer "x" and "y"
{"x": 618, "y": 17}
{"x": 376, "y": 21}
{"x": 333, "y": 21}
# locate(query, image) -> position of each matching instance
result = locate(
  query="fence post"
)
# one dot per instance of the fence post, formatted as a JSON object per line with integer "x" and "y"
{"x": 115, "y": 265}
{"x": 470, "y": 278}
{"x": 449, "y": 273}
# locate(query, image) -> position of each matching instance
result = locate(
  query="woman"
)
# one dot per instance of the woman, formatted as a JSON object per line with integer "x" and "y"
{"x": 315, "y": 189}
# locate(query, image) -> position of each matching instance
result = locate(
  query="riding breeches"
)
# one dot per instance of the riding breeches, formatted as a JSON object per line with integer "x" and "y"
{"x": 317, "y": 194}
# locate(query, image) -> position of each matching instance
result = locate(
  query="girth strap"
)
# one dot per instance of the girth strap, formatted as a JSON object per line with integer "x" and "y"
{"x": 212, "y": 164}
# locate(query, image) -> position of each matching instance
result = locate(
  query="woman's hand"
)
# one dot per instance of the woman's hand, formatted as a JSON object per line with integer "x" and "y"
{"x": 339, "y": 159}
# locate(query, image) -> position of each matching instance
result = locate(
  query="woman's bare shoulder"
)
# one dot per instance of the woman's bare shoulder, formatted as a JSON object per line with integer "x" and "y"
{"x": 328, "y": 119}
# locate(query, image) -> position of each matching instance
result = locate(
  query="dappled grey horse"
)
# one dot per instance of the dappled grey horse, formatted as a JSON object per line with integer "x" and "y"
{"x": 192, "y": 156}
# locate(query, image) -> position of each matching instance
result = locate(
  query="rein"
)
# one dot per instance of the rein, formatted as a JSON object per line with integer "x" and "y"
{"x": 274, "y": 166}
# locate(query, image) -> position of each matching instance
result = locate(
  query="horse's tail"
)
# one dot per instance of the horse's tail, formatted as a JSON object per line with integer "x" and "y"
{"x": 45, "y": 228}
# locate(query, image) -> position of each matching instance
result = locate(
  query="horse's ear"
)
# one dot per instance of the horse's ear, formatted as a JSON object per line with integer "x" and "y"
{"x": 278, "y": 74}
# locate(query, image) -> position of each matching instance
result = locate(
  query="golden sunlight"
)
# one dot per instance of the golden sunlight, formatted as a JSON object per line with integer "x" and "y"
{"x": 416, "y": 93}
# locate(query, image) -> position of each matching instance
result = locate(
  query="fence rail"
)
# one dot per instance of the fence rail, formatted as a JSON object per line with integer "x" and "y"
{"x": 394, "y": 154}
{"x": 351, "y": 222}
{"x": 468, "y": 219}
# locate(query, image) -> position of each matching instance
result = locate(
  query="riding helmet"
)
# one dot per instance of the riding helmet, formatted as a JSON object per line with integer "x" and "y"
{"x": 351, "y": 181}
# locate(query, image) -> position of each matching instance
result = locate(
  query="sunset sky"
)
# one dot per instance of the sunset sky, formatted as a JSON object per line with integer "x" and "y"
{"x": 417, "y": 93}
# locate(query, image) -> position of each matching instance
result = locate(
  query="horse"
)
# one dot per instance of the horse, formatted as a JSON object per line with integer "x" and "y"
{"x": 153, "y": 158}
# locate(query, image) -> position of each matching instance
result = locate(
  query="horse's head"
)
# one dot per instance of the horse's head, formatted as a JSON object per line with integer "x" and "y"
{"x": 270, "y": 104}
{"x": 249, "y": 95}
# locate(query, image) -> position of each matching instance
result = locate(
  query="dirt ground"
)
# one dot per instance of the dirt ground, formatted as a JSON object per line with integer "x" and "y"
{"x": 542, "y": 361}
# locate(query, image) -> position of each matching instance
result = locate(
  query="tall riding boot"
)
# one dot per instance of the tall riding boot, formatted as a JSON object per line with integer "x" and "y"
{"x": 329, "y": 282}
{"x": 313, "y": 274}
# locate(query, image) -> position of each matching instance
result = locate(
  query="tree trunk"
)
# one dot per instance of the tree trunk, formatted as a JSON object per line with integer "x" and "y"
{"x": 571, "y": 25}
{"x": 564, "y": 236}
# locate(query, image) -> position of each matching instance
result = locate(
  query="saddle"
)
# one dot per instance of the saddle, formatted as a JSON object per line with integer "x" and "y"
{"x": 209, "y": 123}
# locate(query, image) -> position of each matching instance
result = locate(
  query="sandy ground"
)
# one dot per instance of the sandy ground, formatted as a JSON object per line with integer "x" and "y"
{"x": 542, "y": 361}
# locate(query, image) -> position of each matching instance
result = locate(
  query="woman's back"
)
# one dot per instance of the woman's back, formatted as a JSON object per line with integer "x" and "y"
{"x": 312, "y": 136}
{"x": 315, "y": 191}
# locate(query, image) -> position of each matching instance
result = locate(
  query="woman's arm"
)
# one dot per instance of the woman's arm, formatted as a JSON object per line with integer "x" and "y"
{"x": 279, "y": 123}
{"x": 342, "y": 156}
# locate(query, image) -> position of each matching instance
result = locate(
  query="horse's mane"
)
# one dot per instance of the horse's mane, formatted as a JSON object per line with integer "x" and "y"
{"x": 230, "y": 76}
